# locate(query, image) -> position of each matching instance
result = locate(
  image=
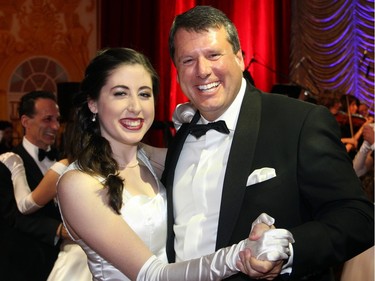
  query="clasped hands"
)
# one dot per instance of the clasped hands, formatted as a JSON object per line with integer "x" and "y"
{"x": 266, "y": 250}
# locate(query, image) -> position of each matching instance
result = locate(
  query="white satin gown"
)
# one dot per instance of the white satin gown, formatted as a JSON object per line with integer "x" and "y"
{"x": 146, "y": 216}
{"x": 71, "y": 264}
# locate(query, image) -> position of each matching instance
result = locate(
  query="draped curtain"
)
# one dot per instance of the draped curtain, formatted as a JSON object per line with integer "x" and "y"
{"x": 263, "y": 27}
{"x": 316, "y": 45}
{"x": 333, "y": 47}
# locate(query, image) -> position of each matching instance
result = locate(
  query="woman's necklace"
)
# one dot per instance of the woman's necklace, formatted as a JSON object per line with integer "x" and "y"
{"x": 128, "y": 166}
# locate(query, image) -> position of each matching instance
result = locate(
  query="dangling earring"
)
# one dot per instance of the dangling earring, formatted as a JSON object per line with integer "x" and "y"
{"x": 93, "y": 119}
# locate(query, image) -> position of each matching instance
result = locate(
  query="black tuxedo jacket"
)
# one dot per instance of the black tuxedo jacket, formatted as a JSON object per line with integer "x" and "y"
{"x": 315, "y": 194}
{"x": 30, "y": 239}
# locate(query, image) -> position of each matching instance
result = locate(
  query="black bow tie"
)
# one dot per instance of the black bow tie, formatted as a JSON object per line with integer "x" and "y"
{"x": 199, "y": 130}
{"x": 51, "y": 154}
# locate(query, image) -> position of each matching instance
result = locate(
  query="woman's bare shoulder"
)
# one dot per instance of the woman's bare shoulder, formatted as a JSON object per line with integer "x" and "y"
{"x": 77, "y": 180}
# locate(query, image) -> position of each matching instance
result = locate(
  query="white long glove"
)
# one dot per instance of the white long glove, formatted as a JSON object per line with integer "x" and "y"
{"x": 22, "y": 192}
{"x": 274, "y": 244}
{"x": 222, "y": 263}
{"x": 216, "y": 266}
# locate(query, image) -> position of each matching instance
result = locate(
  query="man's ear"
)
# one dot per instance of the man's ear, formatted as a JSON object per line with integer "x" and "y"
{"x": 24, "y": 120}
{"x": 240, "y": 59}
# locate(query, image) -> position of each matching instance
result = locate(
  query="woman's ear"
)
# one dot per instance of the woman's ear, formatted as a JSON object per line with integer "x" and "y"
{"x": 92, "y": 106}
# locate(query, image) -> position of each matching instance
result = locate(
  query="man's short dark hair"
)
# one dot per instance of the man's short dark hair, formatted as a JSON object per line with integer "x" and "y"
{"x": 27, "y": 104}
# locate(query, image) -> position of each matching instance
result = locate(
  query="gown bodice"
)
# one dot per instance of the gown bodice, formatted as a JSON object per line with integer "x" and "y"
{"x": 146, "y": 216}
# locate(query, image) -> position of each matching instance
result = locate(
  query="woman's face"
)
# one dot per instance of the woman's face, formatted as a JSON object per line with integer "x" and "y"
{"x": 125, "y": 106}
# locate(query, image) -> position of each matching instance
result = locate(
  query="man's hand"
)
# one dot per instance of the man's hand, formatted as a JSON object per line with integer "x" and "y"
{"x": 266, "y": 250}
{"x": 63, "y": 233}
{"x": 259, "y": 269}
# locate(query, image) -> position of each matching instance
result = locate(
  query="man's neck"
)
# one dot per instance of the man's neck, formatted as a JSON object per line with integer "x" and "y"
{"x": 35, "y": 143}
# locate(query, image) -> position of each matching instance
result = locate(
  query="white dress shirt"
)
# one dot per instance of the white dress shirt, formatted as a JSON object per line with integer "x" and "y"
{"x": 43, "y": 165}
{"x": 198, "y": 185}
{"x": 33, "y": 151}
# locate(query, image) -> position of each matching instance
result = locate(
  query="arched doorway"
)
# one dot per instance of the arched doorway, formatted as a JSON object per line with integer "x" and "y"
{"x": 36, "y": 73}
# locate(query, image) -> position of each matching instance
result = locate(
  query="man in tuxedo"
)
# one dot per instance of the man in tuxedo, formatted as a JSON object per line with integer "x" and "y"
{"x": 30, "y": 243}
{"x": 275, "y": 155}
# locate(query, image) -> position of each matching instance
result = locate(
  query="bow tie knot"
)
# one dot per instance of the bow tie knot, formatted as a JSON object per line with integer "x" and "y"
{"x": 51, "y": 154}
{"x": 199, "y": 130}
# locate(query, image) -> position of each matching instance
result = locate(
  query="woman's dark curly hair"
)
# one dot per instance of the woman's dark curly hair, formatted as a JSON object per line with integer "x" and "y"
{"x": 93, "y": 152}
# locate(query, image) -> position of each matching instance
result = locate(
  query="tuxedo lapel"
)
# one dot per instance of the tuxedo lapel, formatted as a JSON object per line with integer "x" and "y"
{"x": 239, "y": 163}
{"x": 173, "y": 154}
{"x": 174, "y": 151}
{"x": 241, "y": 155}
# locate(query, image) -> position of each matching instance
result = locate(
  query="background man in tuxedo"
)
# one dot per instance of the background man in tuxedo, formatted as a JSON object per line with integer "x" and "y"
{"x": 30, "y": 243}
{"x": 277, "y": 155}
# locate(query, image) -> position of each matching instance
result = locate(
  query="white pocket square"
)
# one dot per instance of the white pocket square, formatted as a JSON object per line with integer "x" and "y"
{"x": 260, "y": 175}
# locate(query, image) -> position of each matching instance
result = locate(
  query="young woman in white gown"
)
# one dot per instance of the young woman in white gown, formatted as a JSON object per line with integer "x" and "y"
{"x": 112, "y": 202}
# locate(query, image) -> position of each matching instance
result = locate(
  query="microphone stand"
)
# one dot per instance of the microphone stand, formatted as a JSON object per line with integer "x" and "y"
{"x": 309, "y": 74}
{"x": 282, "y": 75}
{"x": 314, "y": 95}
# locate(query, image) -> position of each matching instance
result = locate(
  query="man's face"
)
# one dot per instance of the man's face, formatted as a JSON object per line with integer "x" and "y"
{"x": 209, "y": 73}
{"x": 41, "y": 129}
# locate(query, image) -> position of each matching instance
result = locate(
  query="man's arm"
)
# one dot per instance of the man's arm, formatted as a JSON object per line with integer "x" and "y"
{"x": 342, "y": 220}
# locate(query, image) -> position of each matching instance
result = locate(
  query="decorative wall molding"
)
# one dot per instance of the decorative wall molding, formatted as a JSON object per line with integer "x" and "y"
{"x": 61, "y": 32}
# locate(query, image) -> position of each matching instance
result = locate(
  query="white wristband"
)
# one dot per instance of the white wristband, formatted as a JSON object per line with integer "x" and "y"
{"x": 58, "y": 168}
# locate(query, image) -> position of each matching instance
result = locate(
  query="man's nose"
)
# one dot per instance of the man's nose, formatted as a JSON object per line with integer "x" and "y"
{"x": 203, "y": 68}
{"x": 55, "y": 124}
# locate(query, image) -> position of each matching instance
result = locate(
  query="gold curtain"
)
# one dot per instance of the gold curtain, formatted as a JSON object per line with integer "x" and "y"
{"x": 332, "y": 47}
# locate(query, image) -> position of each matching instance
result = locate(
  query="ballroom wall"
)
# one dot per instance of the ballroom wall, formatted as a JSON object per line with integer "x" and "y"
{"x": 42, "y": 44}
{"x": 333, "y": 47}
{"x": 316, "y": 45}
